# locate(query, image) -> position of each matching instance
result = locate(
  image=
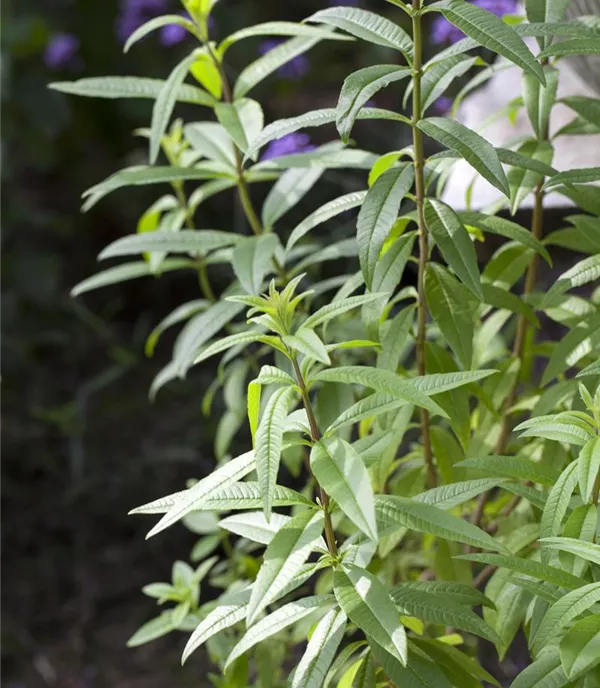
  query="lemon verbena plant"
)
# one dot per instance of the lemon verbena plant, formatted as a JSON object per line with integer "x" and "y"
{"x": 420, "y": 475}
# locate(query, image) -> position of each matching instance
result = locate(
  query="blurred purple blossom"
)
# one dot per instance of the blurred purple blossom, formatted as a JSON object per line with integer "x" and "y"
{"x": 442, "y": 31}
{"x": 296, "y": 68}
{"x": 442, "y": 105}
{"x": 61, "y": 51}
{"x": 287, "y": 145}
{"x": 134, "y": 13}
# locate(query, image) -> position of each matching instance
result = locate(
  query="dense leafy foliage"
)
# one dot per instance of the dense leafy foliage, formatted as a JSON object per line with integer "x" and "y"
{"x": 444, "y": 457}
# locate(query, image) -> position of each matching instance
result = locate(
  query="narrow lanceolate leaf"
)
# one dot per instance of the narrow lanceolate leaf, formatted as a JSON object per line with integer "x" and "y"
{"x": 382, "y": 381}
{"x": 252, "y": 259}
{"x": 127, "y": 271}
{"x": 320, "y": 651}
{"x": 584, "y": 175}
{"x": 492, "y": 33}
{"x": 156, "y": 628}
{"x": 269, "y": 439}
{"x": 575, "y": 46}
{"x": 586, "y": 270}
{"x": 588, "y": 468}
{"x": 185, "y": 241}
{"x": 337, "y": 308}
{"x": 580, "y": 647}
{"x": 368, "y": 605}
{"x": 369, "y": 407}
{"x": 502, "y": 298}
{"x": 157, "y": 23}
{"x": 283, "y": 559}
{"x": 360, "y": 87}
{"x": 341, "y": 473}
{"x": 424, "y": 518}
{"x": 557, "y": 505}
{"x": 563, "y": 427}
{"x": 291, "y": 187}
{"x": 396, "y": 337}
{"x": 436, "y": 608}
{"x": 472, "y": 147}
{"x": 253, "y": 406}
{"x": 449, "y": 496}
{"x": 231, "y": 472}
{"x": 438, "y": 77}
{"x": 253, "y": 525}
{"x": 561, "y": 613}
{"x": 247, "y": 495}
{"x": 241, "y": 338}
{"x": 545, "y": 672}
{"x": 324, "y": 213}
{"x": 585, "y": 550}
{"x": 521, "y": 180}
{"x": 449, "y": 303}
{"x": 274, "y": 623}
{"x": 528, "y": 567}
{"x": 592, "y": 369}
{"x": 454, "y": 242}
{"x": 308, "y": 342}
{"x": 367, "y": 26}
{"x": 225, "y": 615}
{"x": 518, "y": 467}
{"x": 437, "y": 383}
{"x": 260, "y": 69}
{"x": 458, "y": 593}
{"x": 130, "y": 87}
{"x": 390, "y": 267}
{"x": 540, "y": 99}
{"x": 242, "y": 120}
{"x": 378, "y": 214}
{"x": 164, "y": 104}
{"x": 586, "y": 108}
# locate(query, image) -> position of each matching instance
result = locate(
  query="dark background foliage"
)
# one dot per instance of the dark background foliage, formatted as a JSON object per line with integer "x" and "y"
{"x": 82, "y": 444}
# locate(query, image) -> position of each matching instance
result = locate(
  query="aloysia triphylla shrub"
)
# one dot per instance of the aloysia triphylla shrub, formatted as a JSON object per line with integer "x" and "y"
{"x": 437, "y": 474}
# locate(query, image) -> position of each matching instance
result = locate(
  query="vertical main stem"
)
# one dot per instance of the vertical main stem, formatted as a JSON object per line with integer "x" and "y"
{"x": 423, "y": 248}
{"x": 316, "y": 436}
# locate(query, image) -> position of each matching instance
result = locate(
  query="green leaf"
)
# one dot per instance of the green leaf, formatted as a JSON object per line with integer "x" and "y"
{"x": 424, "y": 518}
{"x": 580, "y": 341}
{"x": 592, "y": 369}
{"x": 239, "y": 339}
{"x": 584, "y": 175}
{"x": 252, "y": 260}
{"x": 191, "y": 241}
{"x": 492, "y": 33}
{"x": 127, "y": 271}
{"x": 341, "y": 473}
{"x": 130, "y": 87}
{"x": 156, "y": 628}
{"x": 396, "y": 336}
{"x": 230, "y": 611}
{"x": 438, "y": 77}
{"x": 450, "y": 303}
{"x": 270, "y": 62}
{"x": 528, "y": 567}
{"x": 580, "y": 647}
{"x": 324, "y": 213}
{"x": 368, "y": 605}
{"x": 563, "y": 427}
{"x": 501, "y": 298}
{"x": 390, "y": 267}
{"x": 360, "y": 87}
{"x": 585, "y": 550}
{"x": 454, "y": 494}
{"x": 575, "y": 46}
{"x": 378, "y": 214}
{"x": 165, "y": 102}
{"x": 371, "y": 406}
{"x": 517, "y": 467}
{"x": 588, "y": 467}
{"x": 157, "y": 23}
{"x": 182, "y": 503}
{"x": 561, "y": 613}
{"x": 283, "y": 559}
{"x": 367, "y": 26}
{"x": 365, "y": 674}
{"x": 434, "y": 607}
{"x": 212, "y": 141}
{"x": 454, "y": 242}
{"x": 472, "y": 147}
{"x": 437, "y": 383}
{"x": 522, "y": 181}
{"x": 458, "y": 593}
{"x": 382, "y": 381}
{"x": 181, "y": 313}
{"x": 587, "y": 108}
{"x": 253, "y": 406}
{"x": 253, "y": 525}
{"x": 242, "y": 120}
{"x": 586, "y": 270}
{"x": 320, "y": 651}
{"x": 545, "y": 672}
{"x": 539, "y": 99}
{"x": 557, "y": 505}
{"x": 308, "y": 342}
{"x": 287, "y": 192}
{"x": 506, "y": 228}
{"x": 269, "y": 440}
{"x": 337, "y": 308}
{"x": 277, "y": 621}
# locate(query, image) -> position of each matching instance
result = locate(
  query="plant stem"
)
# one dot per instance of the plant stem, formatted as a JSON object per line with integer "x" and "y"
{"x": 316, "y": 436}
{"x": 537, "y": 228}
{"x": 423, "y": 248}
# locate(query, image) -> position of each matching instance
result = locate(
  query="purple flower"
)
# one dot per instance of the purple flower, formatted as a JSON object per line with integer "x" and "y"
{"x": 442, "y": 31}
{"x": 296, "y": 68}
{"x": 342, "y": 3}
{"x": 442, "y": 105}
{"x": 287, "y": 145}
{"x": 61, "y": 51}
{"x": 134, "y": 13}
{"x": 171, "y": 34}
